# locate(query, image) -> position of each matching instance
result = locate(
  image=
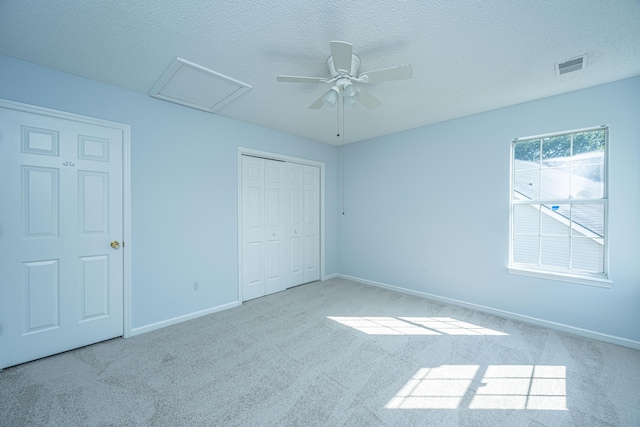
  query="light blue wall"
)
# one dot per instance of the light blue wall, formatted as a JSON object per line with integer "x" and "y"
{"x": 184, "y": 186}
{"x": 428, "y": 210}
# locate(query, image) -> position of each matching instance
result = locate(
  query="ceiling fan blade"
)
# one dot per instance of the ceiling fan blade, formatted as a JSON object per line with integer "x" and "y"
{"x": 318, "y": 103}
{"x": 298, "y": 79}
{"x": 368, "y": 100}
{"x": 341, "y": 53}
{"x": 387, "y": 74}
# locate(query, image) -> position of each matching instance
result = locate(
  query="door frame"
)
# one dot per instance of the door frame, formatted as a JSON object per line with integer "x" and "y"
{"x": 126, "y": 190}
{"x": 281, "y": 157}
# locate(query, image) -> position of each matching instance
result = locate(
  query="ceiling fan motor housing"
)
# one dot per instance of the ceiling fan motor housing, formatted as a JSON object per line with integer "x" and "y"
{"x": 355, "y": 66}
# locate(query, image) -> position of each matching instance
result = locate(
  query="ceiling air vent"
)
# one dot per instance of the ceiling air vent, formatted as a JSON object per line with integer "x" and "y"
{"x": 575, "y": 64}
{"x": 190, "y": 84}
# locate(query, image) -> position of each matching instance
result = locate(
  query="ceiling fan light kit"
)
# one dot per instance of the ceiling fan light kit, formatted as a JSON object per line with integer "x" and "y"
{"x": 349, "y": 90}
{"x": 331, "y": 97}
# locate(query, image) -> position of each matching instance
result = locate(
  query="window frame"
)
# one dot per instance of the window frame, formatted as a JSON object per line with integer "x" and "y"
{"x": 548, "y": 272}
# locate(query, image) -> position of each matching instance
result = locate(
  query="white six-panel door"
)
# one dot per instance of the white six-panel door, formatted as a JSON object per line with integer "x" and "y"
{"x": 280, "y": 244}
{"x": 62, "y": 206}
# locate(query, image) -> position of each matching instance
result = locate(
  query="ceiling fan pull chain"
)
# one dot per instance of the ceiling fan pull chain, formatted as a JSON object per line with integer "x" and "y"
{"x": 342, "y": 153}
{"x": 338, "y": 120}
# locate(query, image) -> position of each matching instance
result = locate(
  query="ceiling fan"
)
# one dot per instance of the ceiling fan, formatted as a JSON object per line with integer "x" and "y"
{"x": 343, "y": 67}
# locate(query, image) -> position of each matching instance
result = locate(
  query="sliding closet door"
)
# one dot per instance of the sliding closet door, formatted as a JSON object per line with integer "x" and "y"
{"x": 253, "y": 220}
{"x": 295, "y": 224}
{"x": 311, "y": 250}
{"x": 275, "y": 227}
{"x": 303, "y": 224}
{"x": 263, "y": 227}
{"x": 280, "y": 245}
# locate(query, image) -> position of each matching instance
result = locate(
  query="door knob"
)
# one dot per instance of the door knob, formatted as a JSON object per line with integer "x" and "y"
{"x": 115, "y": 244}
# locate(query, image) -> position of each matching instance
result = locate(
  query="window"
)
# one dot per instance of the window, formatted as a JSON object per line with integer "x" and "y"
{"x": 559, "y": 206}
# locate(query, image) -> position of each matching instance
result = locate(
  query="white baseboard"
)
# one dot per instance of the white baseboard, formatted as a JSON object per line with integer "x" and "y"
{"x": 330, "y": 276}
{"x": 505, "y": 314}
{"x": 163, "y": 324}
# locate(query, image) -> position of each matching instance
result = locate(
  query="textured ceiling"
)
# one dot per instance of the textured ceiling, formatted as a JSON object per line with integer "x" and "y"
{"x": 467, "y": 56}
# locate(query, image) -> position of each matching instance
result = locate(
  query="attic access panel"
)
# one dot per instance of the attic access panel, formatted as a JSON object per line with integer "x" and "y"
{"x": 198, "y": 87}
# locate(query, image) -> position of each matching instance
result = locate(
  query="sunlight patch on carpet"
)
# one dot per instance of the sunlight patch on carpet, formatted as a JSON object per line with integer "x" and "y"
{"x": 413, "y": 326}
{"x": 526, "y": 387}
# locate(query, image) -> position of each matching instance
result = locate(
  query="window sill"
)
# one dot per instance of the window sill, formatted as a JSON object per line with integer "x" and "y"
{"x": 563, "y": 277}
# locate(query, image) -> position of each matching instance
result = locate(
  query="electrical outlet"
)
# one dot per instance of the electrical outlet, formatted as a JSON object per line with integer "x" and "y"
{"x": 196, "y": 286}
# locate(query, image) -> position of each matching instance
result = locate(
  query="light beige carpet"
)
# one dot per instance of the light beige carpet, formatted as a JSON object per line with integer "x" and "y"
{"x": 334, "y": 353}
